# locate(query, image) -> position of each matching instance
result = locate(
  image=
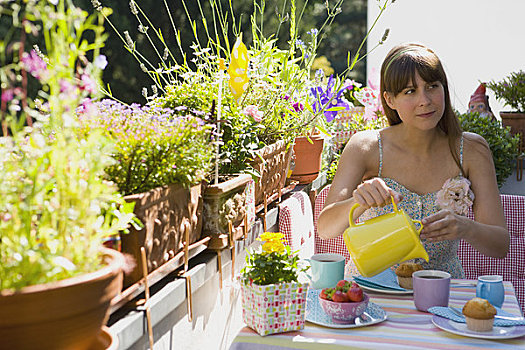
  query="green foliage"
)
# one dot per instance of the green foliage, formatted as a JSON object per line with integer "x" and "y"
{"x": 124, "y": 74}
{"x": 273, "y": 263}
{"x": 511, "y": 90}
{"x": 503, "y": 145}
{"x": 239, "y": 132}
{"x": 153, "y": 147}
{"x": 332, "y": 167}
{"x": 271, "y": 268}
{"x": 55, "y": 208}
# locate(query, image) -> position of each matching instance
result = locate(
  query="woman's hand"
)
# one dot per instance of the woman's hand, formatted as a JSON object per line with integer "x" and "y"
{"x": 444, "y": 225}
{"x": 375, "y": 193}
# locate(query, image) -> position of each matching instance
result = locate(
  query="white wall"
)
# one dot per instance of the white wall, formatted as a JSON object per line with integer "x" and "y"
{"x": 477, "y": 40}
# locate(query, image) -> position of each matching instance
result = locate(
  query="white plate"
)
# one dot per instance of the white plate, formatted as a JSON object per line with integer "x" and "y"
{"x": 461, "y": 329}
{"x": 385, "y": 291}
{"x": 315, "y": 314}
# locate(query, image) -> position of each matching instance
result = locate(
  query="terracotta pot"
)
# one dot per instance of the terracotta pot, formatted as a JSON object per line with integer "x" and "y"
{"x": 272, "y": 162}
{"x": 516, "y": 121}
{"x": 67, "y": 314}
{"x": 307, "y": 158}
{"x": 105, "y": 340}
{"x": 165, "y": 212}
{"x": 229, "y": 200}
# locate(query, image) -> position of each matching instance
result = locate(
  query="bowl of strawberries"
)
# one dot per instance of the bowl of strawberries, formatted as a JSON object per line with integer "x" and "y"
{"x": 344, "y": 302}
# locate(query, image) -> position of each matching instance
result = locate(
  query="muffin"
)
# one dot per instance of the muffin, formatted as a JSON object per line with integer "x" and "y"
{"x": 404, "y": 273}
{"x": 479, "y": 314}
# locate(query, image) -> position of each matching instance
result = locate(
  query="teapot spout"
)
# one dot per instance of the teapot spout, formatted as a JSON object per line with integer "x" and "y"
{"x": 418, "y": 252}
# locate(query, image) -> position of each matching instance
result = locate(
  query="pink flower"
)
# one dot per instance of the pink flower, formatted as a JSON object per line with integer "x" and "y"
{"x": 456, "y": 195}
{"x": 34, "y": 64}
{"x": 253, "y": 111}
{"x": 88, "y": 84}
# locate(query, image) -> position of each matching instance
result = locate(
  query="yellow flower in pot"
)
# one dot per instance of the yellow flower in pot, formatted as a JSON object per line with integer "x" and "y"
{"x": 270, "y": 279}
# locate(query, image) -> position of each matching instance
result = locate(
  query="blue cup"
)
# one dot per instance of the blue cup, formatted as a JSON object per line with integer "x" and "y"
{"x": 490, "y": 287}
{"x": 326, "y": 270}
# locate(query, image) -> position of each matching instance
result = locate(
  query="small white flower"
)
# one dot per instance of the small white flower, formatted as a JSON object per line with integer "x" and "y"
{"x": 101, "y": 62}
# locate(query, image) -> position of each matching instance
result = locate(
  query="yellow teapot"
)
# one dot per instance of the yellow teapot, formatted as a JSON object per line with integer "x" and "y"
{"x": 383, "y": 241}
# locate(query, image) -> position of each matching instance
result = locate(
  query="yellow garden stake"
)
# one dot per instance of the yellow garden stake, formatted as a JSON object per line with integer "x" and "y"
{"x": 238, "y": 69}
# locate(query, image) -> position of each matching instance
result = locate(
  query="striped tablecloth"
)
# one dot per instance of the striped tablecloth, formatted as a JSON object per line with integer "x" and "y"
{"x": 405, "y": 328}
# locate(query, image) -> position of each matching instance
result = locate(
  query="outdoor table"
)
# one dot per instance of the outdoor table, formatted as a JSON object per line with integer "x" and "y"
{"x": 404, "y": 328}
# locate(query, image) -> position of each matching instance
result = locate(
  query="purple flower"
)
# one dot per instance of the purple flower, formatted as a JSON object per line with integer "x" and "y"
{"x": 328, "y": 99}
{"x": 298, "y": 107}
{"x": 313, "y": 32}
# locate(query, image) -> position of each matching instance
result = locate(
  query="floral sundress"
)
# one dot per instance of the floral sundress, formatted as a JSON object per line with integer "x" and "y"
{"x": 442, "y": 255}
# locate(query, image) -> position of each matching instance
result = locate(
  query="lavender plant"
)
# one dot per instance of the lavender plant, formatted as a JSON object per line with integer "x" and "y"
{"x": 154, "y": 147}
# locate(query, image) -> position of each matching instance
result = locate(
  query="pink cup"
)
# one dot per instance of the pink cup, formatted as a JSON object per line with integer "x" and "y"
{"x": 431, "y": 288}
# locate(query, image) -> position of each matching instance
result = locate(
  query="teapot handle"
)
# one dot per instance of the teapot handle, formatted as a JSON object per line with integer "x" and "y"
{"x": 354, "y": 207}
{"x": 420, "y": 226}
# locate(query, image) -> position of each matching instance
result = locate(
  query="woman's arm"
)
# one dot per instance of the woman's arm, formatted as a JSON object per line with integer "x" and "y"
{"x": 488, "y": 233}
{"x": 360, "y": 158}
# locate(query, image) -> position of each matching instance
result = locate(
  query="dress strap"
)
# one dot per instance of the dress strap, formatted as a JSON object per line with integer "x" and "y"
{"x": 380, "y": 154}
{"x": 461, "y": 150}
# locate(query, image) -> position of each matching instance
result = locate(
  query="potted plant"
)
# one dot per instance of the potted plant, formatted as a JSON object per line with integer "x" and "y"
{"x": 56, "y": 280}
{"x": 270, "y": 278}
{"x": 503, "y": 144}
{"x": 161, "y": 159}
{"x": 256, "y": 122}
{"x": 511, "y": 90}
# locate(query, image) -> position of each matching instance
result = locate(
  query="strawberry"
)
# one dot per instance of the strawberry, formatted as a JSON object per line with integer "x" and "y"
{"x": 355, "y": 293}
{"x": 340, "y": 297}
{"x": 343, "y": 286}
{"x": 323, "y": 295}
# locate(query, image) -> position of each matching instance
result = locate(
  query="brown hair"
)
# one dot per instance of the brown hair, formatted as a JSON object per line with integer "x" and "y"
{"x": 399, "y": 70}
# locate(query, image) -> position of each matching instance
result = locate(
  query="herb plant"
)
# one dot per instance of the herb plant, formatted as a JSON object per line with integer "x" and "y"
{"x": 511, "y": 90}
{"x": 503, "y": 145}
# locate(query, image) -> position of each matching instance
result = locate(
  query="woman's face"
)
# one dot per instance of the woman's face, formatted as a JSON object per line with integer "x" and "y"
{"x": 420, "y": 104}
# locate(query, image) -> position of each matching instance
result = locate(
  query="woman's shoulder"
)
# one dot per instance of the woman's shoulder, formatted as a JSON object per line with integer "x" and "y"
{"x": 476, "y": 152}
{"x": 364, "y": 140}
{"x": 474, "y": 144}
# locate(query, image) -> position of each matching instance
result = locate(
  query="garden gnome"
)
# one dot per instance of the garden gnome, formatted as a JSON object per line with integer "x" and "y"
{"x": 479, "y": 102}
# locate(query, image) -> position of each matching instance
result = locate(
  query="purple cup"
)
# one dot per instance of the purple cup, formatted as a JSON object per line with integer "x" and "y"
{"x": 431, "y": 288}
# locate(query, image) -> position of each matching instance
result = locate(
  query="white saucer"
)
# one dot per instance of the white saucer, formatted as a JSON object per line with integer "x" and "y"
{"x": 461, "y": 329}
{"x": 315, "y": 314}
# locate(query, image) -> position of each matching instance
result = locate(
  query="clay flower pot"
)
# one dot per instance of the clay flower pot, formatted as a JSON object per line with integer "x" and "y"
{"x": 516, "y": 122}
{"x": 307, "y": 158}
{"x": 67, "y": 314}
{"x": 164, "y": 211}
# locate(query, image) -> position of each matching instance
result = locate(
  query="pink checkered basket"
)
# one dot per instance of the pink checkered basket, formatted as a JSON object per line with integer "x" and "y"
{"x": 343, "y": 132}
{"x": 274, "y": 308}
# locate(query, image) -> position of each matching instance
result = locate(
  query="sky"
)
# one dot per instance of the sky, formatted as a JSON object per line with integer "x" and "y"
{"x": 476, "y": 40}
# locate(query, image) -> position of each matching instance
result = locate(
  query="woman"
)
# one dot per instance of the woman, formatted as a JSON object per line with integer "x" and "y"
{"x": 425, "y": 161}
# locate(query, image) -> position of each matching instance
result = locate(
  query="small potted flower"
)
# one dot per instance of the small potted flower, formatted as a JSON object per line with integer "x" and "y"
{"x": 511, "y": 90}
{"x": 273, "y": 300}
